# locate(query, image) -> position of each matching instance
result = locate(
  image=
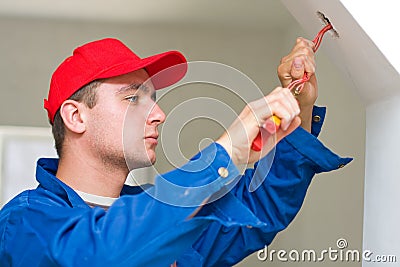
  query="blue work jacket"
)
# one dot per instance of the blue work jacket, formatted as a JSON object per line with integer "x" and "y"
{"x": 52, "y": 226}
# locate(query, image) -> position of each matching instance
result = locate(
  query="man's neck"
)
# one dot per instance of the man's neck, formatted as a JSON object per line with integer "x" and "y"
{"x": 91, "y": 176}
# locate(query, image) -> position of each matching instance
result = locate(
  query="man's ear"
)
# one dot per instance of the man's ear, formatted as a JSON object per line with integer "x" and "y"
{"x": 72, "y": 113}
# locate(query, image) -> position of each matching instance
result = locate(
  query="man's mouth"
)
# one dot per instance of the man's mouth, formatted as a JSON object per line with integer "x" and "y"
{"x": 152, "y": 139}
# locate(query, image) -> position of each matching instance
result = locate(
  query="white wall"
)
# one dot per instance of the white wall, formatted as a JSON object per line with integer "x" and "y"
{"x": 20, "y": 147}
{"x": 382, "y": 180}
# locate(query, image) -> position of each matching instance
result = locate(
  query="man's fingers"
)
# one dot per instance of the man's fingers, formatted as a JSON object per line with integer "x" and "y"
{"x": 301, "y": 59}
{"x": 293, "y": 125}
{"x": 304, "y": 42}
{"x": 297, "y": 70}
{"x": 304, "y": 63}
{"x": 284, "y": 106}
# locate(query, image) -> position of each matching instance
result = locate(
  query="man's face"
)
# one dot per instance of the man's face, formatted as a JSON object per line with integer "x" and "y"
{"x": 123, "y": 124}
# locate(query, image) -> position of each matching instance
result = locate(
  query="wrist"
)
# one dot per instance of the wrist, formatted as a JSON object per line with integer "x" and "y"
{"x": 306, "y": 117}
{"x": 227, "y": 145}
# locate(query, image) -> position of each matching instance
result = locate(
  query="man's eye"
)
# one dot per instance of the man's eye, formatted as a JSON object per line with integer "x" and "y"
{"x": 132, "y": 98}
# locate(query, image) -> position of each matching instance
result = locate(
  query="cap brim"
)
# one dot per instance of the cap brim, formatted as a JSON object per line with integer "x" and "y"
{"x": 165, "y": 69}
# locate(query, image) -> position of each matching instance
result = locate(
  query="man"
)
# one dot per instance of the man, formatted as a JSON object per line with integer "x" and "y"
{"x": 82, "y": 214}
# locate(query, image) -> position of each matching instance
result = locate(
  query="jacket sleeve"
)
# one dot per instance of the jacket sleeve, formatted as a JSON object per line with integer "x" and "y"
{"x": 273, "y": 192}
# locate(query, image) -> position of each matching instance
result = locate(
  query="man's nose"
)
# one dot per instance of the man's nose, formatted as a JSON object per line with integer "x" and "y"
{"x": 156, "y": 116}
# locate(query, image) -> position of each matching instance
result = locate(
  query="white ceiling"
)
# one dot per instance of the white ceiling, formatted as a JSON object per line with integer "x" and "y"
{"x": 240, "y": 13}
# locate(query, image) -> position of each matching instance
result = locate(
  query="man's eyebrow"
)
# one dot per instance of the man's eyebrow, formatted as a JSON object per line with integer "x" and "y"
{"x": 133, "y": 86}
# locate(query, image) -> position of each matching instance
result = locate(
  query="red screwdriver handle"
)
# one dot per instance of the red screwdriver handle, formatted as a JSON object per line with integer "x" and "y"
{"x": 271, "y": 126}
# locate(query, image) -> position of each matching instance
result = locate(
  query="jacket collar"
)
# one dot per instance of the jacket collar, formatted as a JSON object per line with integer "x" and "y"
{"x": 46, "y": 176}
{"x": 46, "y": 169}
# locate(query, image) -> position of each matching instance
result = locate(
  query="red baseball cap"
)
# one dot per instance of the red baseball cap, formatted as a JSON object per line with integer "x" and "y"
{"x": 108, "y": 58}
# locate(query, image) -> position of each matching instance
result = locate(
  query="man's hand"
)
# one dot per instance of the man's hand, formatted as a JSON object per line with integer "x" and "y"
{"x": 238, "y": 138}
{"x": 292, "y": 67}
